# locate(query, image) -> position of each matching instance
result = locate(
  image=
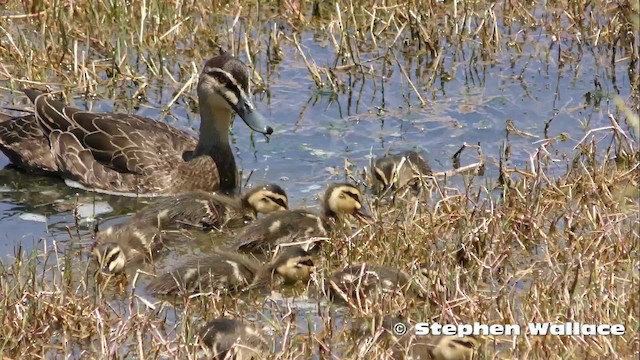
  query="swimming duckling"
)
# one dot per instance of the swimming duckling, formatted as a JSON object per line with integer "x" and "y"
{"x": 361, "y": 281}
{"x": 144, "y": 234}
{"x": 400, "y": 170}
{"x": 212, "y": 210}
{"x": 233, "y": 272}
{"x": 231, "y": 339}
{"x": 340, "y": 200}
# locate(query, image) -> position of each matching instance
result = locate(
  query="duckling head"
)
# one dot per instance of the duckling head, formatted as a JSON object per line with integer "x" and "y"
{"x": 294, "y": 264}
{"x": 399, "y": 170}
{"x": 266, "y": 199}
{"x": 110, "y": 257}
{"x": 342, "y": 199}
{"x": 455, "y": 348}
{"x": 224, "y": 87}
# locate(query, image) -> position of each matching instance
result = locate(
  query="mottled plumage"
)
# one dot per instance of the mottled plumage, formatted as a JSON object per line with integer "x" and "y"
{"x": 144, "y": 232}
{"x": 24, "y": 143}
{"x": 211, "y": 210}
{"x": 231, "y": 339}
{"x": 232, "y": 271}
{"x": 134, "y": 154}
{"x": 340, "y": 199}
{"x": 397, "y": 171}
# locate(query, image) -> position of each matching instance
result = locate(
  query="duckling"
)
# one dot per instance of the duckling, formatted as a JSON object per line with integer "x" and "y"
{"x": 145, "y": 232}
{"x": 434, "y": 347}
{"x": 231, "y": 339}
{"x": 340, "y": 200}
{"x": 409, "y": 346}
{"x": 117, "y": 247}
{"x": 234, "y": 272}
{"x": 400, "y": 170}
{"x": 361, "y": 281}
{"x": 212, "y": 210}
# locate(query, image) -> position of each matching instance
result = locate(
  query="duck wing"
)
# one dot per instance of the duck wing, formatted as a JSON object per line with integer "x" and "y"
{"x": 121, "y": 142}
{"x": 197, "y": 208}
{"x": 25, "y": 144}
{"x": 217, "y": 271}
{"x": 280, "y": 227}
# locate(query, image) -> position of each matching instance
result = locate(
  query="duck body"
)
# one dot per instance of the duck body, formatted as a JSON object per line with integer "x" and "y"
{"x": 133, "y": 154}
{"x": 23, "y": 141}
{"x": 265, "y": 234}
{"x": 232, "y": 271}
{"x": 362, "y": 281}
{"x": 231, "y": 339}
{"x": 212, "y": 211}
{"x": 146, "y": 231}
{"x": 399, "y": 170}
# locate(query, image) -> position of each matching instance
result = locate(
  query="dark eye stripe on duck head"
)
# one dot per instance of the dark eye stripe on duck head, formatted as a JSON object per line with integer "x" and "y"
{"x": 307, "y": 262}
{"x": 231, "y": 82}
{"x": 232, "y": 66}
{"x": 280, "y": 201}
{"x": 353, "y": 195}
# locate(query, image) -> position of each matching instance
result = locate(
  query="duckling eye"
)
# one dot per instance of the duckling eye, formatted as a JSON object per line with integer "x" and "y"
{"x": 342, "y": 196}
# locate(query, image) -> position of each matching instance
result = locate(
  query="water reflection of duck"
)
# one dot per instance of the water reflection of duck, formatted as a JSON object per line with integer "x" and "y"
{"x": 134, "y": 154}
{"x": 340, "y": 200}
{"x": 232, "y": 271}
{"x": 142, "y": 234}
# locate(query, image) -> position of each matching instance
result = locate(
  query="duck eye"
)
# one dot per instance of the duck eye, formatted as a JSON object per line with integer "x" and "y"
{"x": 342, "y": 196}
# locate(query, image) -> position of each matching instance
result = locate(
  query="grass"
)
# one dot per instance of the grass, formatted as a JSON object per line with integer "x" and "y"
{"x": 555, "y": 240}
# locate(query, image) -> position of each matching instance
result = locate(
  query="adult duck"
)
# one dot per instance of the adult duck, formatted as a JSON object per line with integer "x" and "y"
{"x": 126, "y": 153}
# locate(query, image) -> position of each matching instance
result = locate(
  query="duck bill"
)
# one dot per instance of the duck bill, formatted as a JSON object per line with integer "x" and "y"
{"x": 247, "y": 111}
{"x": 362, "y": 215}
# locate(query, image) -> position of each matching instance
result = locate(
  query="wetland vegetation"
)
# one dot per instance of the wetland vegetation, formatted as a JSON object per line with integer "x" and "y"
{"x": 546, "y": 232}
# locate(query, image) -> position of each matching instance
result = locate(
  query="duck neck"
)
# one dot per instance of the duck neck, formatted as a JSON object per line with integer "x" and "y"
{"x": 214, "y": 142}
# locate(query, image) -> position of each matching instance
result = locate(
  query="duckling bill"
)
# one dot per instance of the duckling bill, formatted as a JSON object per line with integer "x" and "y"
{"x": 146, "y": 232}
{"x": 340, "y": 200}
{"x": 233, "y": 272}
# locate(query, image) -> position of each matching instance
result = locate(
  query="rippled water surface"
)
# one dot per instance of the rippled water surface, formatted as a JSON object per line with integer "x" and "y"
{"x": 317, "y": 131}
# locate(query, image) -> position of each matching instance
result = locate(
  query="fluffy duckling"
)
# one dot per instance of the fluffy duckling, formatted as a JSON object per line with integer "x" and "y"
{"x": 340, "y": 200}
{"x": 362, "y": 281}
{"x": 212, "y": 210}
{"x": 144, "y": 234}
{"x": 233, "y": 272}
{"x": 231, "y": 339}
{"x": 435, "y": 347}
{"x": 400, "y": 170}
{"x": 409, "y": 346}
